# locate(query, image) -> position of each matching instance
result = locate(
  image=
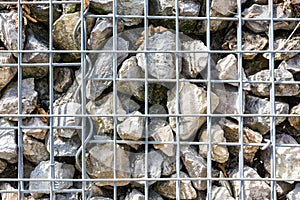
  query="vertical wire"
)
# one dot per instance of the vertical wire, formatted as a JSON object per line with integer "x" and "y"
{"x": 240, "y": 96}
{"x": 51, "y": 136}
{"x": 146, "y": 42}
{"x": 209, "y": 120}
{"x": 20, "y": 135}
{"x": 177, "y": 103}
{"x": 273, "y": 106}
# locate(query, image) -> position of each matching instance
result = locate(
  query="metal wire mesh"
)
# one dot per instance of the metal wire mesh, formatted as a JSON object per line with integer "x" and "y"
{"x": 84, "y": 181}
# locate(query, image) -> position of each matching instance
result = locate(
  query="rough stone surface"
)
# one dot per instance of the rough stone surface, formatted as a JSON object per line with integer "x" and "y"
{"x": 219, "y": 152}
{"x": 8, "y": 146}
{"x": 295, "y": 121}
{"x": 40, "y": 12}
{"x": 100, "y": 163}
{"x": 168, "y": 188}
{"x": 9, "y": 99}
{"x": 37, "y": 133}
{"x": 132, "y": 128}
{"x": 64, "y": 146}
{"x": 193, "y": 100}
{"x": 220, "y": 193}
{"x": 231, "y": 131}
{"x": 225, "y": 8}
{"x": 163, "y": 134}
{"x": 34, "y": 150}
{"x": 169, "y": 165}
{"x": 63, "y": 79}
{"x": 3, "y": 165}
{"x": 62, "y": 171}
{"x": 252, "y": 189}
{"x": 6, "y": 73}
{"x": 261, "y": 89}
{"x": 291, "y": 64}
{"x": 196, "y": 167}
{"x": 295, "y": 193}
{"x": 255, "y": 105}
{"x": 8, "y": 196}
{"x": 135, "y": 195}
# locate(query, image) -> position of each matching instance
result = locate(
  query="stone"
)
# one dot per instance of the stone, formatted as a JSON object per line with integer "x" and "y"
{"x": 231, "y": 131}
{"x": 256, "y": 105}
{"x": 135, "y": 195}
{"x": 9, "y": 99}
{"x": 155, "y": 160}
{"x": 132, "y": 128}
{"x": 105, "y": 106}
{"x": 100, "y": 163}
{"x": 43, "y": 170}
{"x": 37, "y": 133}
{"x": 128, "y": 104}
{"x": 169, "y": 165}
{"x": 228, "y": 70}
{"x": 196, "y": 167}
{"x": 282, "y": 188}
{"x": 262, "y": 11}
{"x": 220, "y": 193}
{"x": 291, "y": 64}
{"x": 193, "y": 100}
{"x": 287, "y": 159}
{"x": 102, "y": 30}
{"x": 261, "y": 89}
{"x": 103, "y": 67}
{"x": 6, "y": 73}
{"x": 8, "y": 196}
{"x": 3, "y": 165}
{"x": 163, "y": 134}
{"x": 226, "y": 8}
{"x": 160, "y": 65}
{"x": 295, "y": 193}
{"x": 63, "y": 78}
{"x": 219, "y": 152}
{"x": 64, "y": 147}
{"x": 67, "y": 196}
{"x": 157, "y": 121}
{"x": 168, "y": 188}
{"x": 70, "y": 96}
{"x": 34, "y": 150}
{"x": 40, "y": 12}
{"x": 250, "y": 41}
{"x": 260, "y": 63}
{"x": 252, "y": 189}
{"x": 9, "y": 33}
{"x": 193, "y": 63}
{"x": 295, "y": 121}
{"x": 66, "y": 109}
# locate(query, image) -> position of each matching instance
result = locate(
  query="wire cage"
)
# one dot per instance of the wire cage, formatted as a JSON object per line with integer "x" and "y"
{"x": 149, "y": 99}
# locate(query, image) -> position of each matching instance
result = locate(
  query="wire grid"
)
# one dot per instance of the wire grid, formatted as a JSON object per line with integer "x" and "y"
{"x": 86, "y": 118}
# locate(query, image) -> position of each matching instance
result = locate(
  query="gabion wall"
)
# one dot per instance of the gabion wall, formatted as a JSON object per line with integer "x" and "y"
{"x": 149, "y": 99}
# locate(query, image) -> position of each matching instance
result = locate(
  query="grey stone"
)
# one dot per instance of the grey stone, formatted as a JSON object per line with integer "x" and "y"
{"x": 287, "y": 159}
{"x": 103, "y": 67}
{"x": 3, "y": 165}
{"x": 132, "y": 128}
{"x": 163, "y": 134}
{"x": 6, "y": 73}
{"x": 66, "y": 109}
{"x": 169, "y": 165}
{"x": 260, "y": 63}
{"x": 101, "y": 198}
{"x": 67, "y": 196}
{"x": 37, "y": 133}
{"x": 262, "y": 11}
{"x": 193, "y": 100}
{"x": 255, "y": 105}
{"x": 71, "y": 95}
{"x": 295, "y": 193}
{"x": 10, "y": 195}
{"x": 9, "y": 99}
{"x": 34, "y": 150}
{"x": 104, "y": 106}
{"x": 64, "y": 146}
{"x": 219, "y": 152}
{"x": 261, "y": 89}
{"x": 160, "y": 65}
{"x": 154, "y": 166}
{"x": 231, "y": 131}
{"x": 156, "y": 122}
{"x": 40, "y": 12}
{"x": 291, "y": 64}
{"x": 195, "y": 165}
{"x": 220, "y": 193}
{"x": 102, "y": 30}
{"x": 100, "y": 163}
{"x": 193, "y": 63}
{"x": 282, "y": 188}
{"x": 252, "y": 189}
{"x": 135, "y": 195}
{"x": 43, "y": 170}
{"x": 226, "y": 8}
{"x": 228, "y": 70}
{"x": 295, "y": 121}
{"x": 154, "y": 196}
{"x": 9, "y": 33}
{"x": 63, "y": 79}
{"x": 168, "y": 188}
{"x": 128, "y": 104}
{"x": 188, "y": 8}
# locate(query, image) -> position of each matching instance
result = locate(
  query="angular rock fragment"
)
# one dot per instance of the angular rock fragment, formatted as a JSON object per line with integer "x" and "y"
{"x": 219, "y": 152}
{"x": 169, "y": 165}
{"x": 40, "y": 12}
{"x": 6, "y": 73}
{"x": 287, "y": 159}
{"x": 291, "y": 64}
{"x": 196, "y": 167}
{"x": 168, "y": 188}
{"x": 231, "y": 131}
{"x": 261, "y": 89}
{"x": 252, "y": 189}
{"x": 260, "y": 63}
{"x": 66, "y": 109}
{"x": 37, "y": 133}
{"x": 128, "y": 104}
{"x": 163, "y": 134}
{"x": 225, "y": 8}
{"x": 255, "y": 105}
{"x": 8, "y": 146}
{"x": 64, "y": 146}
{"x": 220, "y": 193}
{"x": 8, "y": 196}
{"x": 3, "y": 165}
{"x": 34, "y": 150}
{"x": 228, "y": 70}
{"x": 193, "y": 100}
{"x": 295, "y": 121}
{"x": 9, "y": 99}
{"x": 63, "y": 79}
{"x": 193, "y": 63}
{"x": 43, "y": 170}
{"x": 100, "y": 163}
{"x": 295, "y": 193}
{"x": 135, "y": 195}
